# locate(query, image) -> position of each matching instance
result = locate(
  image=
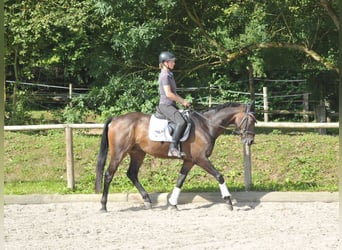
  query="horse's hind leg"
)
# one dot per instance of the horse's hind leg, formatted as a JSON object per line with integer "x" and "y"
{"x": 137, "y": 158}
{"x": 113, "y": 166}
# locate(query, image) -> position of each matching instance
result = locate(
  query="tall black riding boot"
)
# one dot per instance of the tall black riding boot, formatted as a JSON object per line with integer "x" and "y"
{"x": 173, "y": 149}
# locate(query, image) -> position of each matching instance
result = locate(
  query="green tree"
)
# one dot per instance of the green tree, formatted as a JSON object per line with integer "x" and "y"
{"x": 49, "y": 40}
{"x": 217, "y": 43}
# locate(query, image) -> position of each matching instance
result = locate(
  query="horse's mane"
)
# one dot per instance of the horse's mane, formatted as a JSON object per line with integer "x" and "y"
{"x": 216, "y": 109}
{"x": 221, "y": 106}
{"x": 226, "y": 105}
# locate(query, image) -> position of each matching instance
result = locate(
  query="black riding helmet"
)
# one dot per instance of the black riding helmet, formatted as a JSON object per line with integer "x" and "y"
{"x": 166, "y": 56}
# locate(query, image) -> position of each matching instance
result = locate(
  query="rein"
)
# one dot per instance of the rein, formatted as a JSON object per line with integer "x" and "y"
{"x": 205, "y": 118}
{"x": 236, "y": 131}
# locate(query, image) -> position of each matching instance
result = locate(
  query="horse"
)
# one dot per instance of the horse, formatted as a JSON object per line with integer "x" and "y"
{"x": 128, "y": 135}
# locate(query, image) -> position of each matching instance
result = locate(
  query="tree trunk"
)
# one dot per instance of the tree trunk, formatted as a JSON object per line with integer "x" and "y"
{"x": 16, "y": 75}
{"x": 326, "y": 4}
{"x": 251, "y": 81}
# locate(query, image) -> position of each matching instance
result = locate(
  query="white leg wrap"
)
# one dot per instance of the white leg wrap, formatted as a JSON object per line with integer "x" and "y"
{"x": 224, "y": 190}
{"x": 173, "y": 200}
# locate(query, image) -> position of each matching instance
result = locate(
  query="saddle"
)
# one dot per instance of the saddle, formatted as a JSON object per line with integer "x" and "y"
{"x": 161, "y": 129}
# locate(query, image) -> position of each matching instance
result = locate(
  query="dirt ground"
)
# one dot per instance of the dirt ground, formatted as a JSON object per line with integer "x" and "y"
{"x": 201, "y": 225}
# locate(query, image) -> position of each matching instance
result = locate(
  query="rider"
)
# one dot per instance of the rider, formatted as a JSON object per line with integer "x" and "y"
{"x": 168, "y": 100}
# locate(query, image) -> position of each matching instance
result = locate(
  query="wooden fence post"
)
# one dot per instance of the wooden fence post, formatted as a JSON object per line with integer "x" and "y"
{"x": 264, "y": 94}
{"x": 321, "y": 116}
{"x": 247, "y": 162}
{"x": 70, "y": 95}
{"x": 306, "y": 106}
{"x": 70, "y": 157}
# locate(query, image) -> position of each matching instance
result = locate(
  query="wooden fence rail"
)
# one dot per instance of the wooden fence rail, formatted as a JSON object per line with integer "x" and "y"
{"x": 68, "y": 128}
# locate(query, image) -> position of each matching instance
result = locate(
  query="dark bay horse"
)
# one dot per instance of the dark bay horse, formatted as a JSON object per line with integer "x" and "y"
{"x": 128, "y": 135}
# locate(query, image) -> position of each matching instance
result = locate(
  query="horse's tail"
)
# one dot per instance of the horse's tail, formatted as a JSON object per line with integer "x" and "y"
{"x": 102, "y": 156}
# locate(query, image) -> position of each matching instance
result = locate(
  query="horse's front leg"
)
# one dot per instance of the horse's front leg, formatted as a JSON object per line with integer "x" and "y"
{"x": 173, "y": 200}
{"x": 208, "y": 166}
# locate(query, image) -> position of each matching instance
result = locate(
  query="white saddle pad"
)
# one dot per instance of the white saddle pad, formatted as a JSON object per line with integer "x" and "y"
{"x": 158, "y": 130}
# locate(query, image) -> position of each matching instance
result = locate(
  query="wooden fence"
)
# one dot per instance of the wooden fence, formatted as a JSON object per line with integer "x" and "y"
{"x": 68, "y": 128}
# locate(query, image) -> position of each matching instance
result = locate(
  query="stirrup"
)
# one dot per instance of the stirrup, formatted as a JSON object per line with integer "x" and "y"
{"x": 175, "y": 153}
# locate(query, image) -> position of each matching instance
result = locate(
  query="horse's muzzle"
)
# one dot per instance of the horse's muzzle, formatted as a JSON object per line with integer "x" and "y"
{"x": 247, "y": 140}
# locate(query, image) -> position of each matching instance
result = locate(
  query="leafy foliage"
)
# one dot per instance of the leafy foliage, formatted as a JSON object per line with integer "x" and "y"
{"x": 124, "y": 95}
{"x": 54, "y": 39}
{"x": 19, "y": 113}
{"x": 100, "y": 43}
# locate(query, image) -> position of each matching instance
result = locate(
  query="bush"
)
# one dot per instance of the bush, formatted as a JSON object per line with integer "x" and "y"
{"x": 123, "y": 95}
{"x": 18, "y": 113}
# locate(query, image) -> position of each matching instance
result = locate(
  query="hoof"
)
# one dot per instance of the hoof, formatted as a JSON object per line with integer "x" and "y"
{"x": 173, "y": 207}
{"x": 229, "y": 203}
{"x": 148, "y": 205}
{"x": 103, "y": 210}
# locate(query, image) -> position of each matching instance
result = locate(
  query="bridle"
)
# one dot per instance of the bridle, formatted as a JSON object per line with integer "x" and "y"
{"x": 242, "y": 128}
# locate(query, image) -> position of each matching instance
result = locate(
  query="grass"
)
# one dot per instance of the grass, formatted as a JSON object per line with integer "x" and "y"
{"x": 281, "y": 161}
